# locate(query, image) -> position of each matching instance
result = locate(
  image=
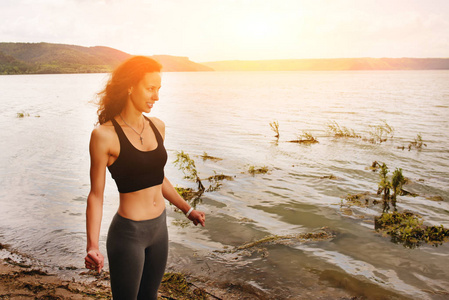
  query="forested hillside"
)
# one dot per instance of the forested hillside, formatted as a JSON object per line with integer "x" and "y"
{"x": 45, "y": 58}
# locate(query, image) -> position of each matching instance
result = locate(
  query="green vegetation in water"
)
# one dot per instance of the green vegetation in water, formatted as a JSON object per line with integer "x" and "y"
{"x": 176, "y": 286}
{"x": 341, "y": 131}
{"x": 275, "y": 127}
{"x": 435, "y": 198}
{"x": 359, "y": 200}
{"x": 190, "y": 195}
{"x": 385, "y": 185}
{"x": 331, "y": 177}
{"x": 220, "y": 177}
{"x": 254, "y": 170}
{"x": 22, "y": 114}
{"x": 417, "y": 143}
{"x": 251, "y": 247}
{"x": 408, "y": 229}
{"x": 215, "y": 180}
{"x": 181, "y": 223}
{"x": 374, "y": 166}
{"x": 305, "y": 138}
{"x": 25, "y": 114}
{"x": 380, "y": 133}
{"x": 205, "y": 157}
{"x": 193, "y": 197}
{"x": 187, "y": 166}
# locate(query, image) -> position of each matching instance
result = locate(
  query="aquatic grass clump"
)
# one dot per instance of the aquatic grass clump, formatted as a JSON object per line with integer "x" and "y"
{"x": 385, "y": 185}
{"x": 379, "y": 133}
{"x": 305, "y": 138}
{"x": 408, "y": 229}
{"x": 255, "y": 170}
{"x": 215, "y": 179}
{"x": 275, "y": 127}
{"x": 176, "y": 286}
{"x": 187, "y": 165}
{"x": 417, "y": 143}
{"x": 359, "y": 200}
{"x": 25, "y": 114}
{"x": 22, "y": 114}
{"x": 205, "y": 157}
{"x": 249, "y": 248}
{"x": 192, "y": 196}
{"x": 220, "y": 177}
{"x": 331, "y": 177}
{"x": 374, "y": 166}
{"x": 341, "y": 131}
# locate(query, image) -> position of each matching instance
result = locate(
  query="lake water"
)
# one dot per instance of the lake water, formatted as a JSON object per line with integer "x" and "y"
{"x": 45, "y": 166}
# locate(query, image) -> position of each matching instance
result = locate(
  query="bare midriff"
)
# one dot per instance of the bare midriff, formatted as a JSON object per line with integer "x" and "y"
{"x": 143, "y": 204}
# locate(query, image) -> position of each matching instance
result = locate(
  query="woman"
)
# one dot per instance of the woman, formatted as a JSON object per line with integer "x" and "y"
{"x": 131, "y": 146}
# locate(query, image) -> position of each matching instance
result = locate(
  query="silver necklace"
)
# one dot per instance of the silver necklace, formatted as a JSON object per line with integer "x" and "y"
{"x": 140, "y": 134}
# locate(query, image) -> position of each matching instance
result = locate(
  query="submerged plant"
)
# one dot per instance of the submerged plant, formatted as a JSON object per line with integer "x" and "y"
{"x": 22, "y": 114}
{"x": 384, "y": 183}
{"x": 205, "y": 157}
{"x": 176, "y": 286}
{"x": 275, "y": 127}
{"x": 359, "y": 200}
{"x": 374, "y": 166}
{"x": 407, "y": 228}
{"x": 341, "y": 131}
{"x": 254, "y": 170}
{"x": 305, "y": 138}
{"x": 187, "y": 165}
{"x": 249, "y": 248}
{"x": 417, "y": 143}
{"x": 380, "y": 133}
{"x": 396, "y": 183}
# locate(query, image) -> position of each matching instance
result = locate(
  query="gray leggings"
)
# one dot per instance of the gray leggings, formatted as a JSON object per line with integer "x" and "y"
{"x": 137, "y": 254}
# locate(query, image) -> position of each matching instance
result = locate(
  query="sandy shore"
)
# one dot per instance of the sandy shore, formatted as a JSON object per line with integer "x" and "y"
{"x": 21, "y": 278}
{"x": 19, "y": 281}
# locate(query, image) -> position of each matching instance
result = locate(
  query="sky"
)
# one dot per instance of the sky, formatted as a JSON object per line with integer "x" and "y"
{"x": 214, "y": 30}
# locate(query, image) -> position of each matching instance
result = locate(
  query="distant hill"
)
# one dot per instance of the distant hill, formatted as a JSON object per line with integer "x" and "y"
{"x": 338, "y": 64}
{"x": 46, "y": 58}
{"x": 179, "y": 64}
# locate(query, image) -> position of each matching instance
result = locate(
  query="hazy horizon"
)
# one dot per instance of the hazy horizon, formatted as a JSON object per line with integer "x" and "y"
{"x": 215, "y": 30}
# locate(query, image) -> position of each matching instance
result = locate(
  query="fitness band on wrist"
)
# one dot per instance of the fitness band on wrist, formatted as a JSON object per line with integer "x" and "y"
{"x": 188, "y": 213}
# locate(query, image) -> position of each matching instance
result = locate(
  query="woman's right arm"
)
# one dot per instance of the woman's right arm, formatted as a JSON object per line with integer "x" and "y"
{"x": 99, "y": 154}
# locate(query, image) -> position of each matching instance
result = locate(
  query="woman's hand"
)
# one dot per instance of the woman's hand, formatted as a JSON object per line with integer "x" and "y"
{"x": 197, "y": 217}
{"x": 94, "y": 260}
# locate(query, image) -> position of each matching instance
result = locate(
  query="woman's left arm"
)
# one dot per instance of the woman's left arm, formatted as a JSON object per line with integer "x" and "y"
{"x": 169, "y": 193}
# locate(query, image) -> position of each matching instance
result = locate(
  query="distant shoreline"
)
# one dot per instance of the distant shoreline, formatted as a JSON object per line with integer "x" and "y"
{"x": 332, "y": 64}
{"x": 232, "y": 71}
{"x": 47, "y": 58}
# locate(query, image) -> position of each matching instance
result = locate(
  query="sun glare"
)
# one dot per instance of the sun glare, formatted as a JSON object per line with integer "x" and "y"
{"x": 256, "y": 28}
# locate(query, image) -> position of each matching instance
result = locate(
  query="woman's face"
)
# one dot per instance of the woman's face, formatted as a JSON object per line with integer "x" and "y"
{"x": 146, "y": 92}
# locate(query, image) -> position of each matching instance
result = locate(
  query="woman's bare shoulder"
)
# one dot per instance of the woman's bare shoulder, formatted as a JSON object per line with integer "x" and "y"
{"x": 157, "y": 122}
{"x": 160, "y": 125}
{"x": 104, "y": 132}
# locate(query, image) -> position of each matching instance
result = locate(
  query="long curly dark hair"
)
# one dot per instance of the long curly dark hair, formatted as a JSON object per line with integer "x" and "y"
{"x": 128, "y": 74}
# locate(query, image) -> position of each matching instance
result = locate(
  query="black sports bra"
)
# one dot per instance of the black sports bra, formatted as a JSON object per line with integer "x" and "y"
{"x": 134, "y": 169}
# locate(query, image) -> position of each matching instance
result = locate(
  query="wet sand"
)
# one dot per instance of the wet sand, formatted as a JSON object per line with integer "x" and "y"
{"x": 20, "y": 278}
{"x": 21, "y": 281}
